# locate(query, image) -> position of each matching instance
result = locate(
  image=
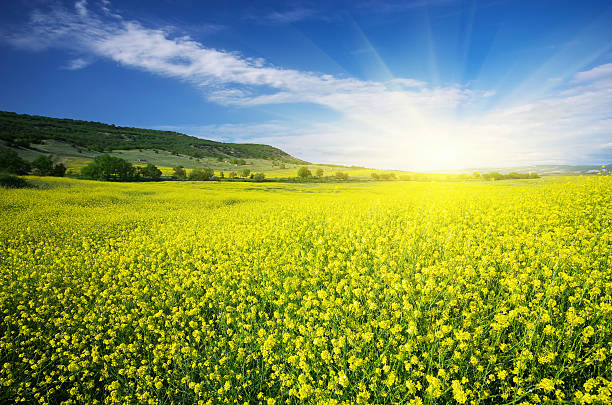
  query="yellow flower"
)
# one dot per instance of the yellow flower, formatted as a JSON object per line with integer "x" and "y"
{"x": 316, "y": 293}
{"x": 546, "y": 384}
{"x": 458, "y": 392}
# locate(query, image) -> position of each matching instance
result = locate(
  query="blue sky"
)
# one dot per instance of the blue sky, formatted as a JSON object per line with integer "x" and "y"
{"x": 422, "y": 84}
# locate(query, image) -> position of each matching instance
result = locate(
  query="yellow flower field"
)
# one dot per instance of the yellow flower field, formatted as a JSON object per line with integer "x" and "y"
{"x": 379, "y": 292}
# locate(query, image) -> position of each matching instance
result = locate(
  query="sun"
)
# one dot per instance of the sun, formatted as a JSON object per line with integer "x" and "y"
{"x": 444, "y": 156}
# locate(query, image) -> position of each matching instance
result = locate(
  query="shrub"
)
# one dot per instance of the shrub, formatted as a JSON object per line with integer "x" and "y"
{"x": 304, "y": 172}
{"x": 342, "y": 176}
{"x": 387, "y": 176}
{"x": 10, "y": 162}
{"x": 201, "y": 174}
{"x": 109, "y": 168}
{"x": 42, "y": 165}
{"x": 11, "y": 181}
{"x": 259, "y": 176}
{"x": 150, "y": 172}
{"x": 59, "y": 170}
{"x": 179, "y": 172}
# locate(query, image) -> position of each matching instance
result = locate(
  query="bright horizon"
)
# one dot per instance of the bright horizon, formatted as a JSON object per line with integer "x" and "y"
{"x": 421, "y": 85}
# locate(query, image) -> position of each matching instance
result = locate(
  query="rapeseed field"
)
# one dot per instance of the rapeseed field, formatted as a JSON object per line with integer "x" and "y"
{"x": 389, "y": 292}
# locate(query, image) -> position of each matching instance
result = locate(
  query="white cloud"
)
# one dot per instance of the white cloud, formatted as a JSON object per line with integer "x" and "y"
{"x": 76, "y": 64}
{"x": 597, "y": 73}
{"x": 81, "y": 8}
{"x": 290, "y": 16}
{"x": 401, "y": 123}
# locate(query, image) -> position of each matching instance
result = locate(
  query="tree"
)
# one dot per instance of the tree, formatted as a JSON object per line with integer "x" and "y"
{"x": 151, "y": 172}
{"x": 304, "y": 172}
{"x": 201, "y": 174}
{"x": 245, "y": 173}
{"x": 42, "y": 165}
{"x": 319, "y": 172}
{"x": 59, "y": 170}
{"x": 259, "y": 176}
{"x": 10, "y": 181}
{"x": 10, "y": 162}
{"x": 386, "y": 176}
{"x": 375, "y": 176}
{"x": 233, "y": 175}
{"x": 495, "y": 176}
{"x": 109, "y": 168}
{"x": 179, "y": 172}
{"x": 342, "y": 176}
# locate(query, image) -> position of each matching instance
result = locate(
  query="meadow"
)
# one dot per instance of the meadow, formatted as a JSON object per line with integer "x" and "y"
{"x": 373, "y": 292}
{"x": 75, "y": 158}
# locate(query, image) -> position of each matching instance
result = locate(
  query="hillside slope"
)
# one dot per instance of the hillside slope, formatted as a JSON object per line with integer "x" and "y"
{"x": 22, "y": 130}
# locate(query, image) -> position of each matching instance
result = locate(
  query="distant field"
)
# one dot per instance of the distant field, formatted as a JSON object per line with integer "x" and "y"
{"x": 388, "y": 292}
{"x": 76, "y": 158}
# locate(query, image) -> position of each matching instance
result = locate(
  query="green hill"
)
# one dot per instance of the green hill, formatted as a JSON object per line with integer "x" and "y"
{"x": 26, "y": 131}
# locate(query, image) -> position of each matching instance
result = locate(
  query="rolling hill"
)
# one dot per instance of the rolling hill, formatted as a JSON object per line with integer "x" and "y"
{"x": 76, "y": 138}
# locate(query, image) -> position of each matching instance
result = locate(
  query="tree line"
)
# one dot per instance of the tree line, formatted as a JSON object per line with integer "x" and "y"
{"x": 509, "y": 176}
{"x": 12, "y": 163}
{"x": 110, "y": 168}
{"x": 492, "y": 176}
{"x": 305, "y": 173}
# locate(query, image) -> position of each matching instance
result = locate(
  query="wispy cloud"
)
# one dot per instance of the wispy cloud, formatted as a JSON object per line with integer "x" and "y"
{"x": 300, "y": 11}
{"x": 81, "y": 7}
{"x": 402, "y": 123}
{"x": 400, "y": 5}
{"x": 290, "y": 16}
{"x": 597, "y": 73}
{"x": 76, "y": 64}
